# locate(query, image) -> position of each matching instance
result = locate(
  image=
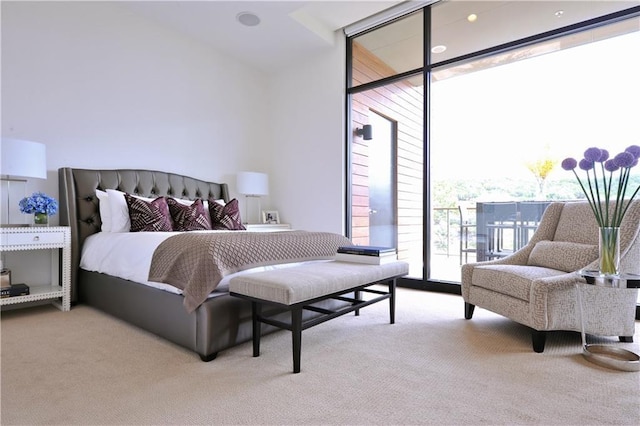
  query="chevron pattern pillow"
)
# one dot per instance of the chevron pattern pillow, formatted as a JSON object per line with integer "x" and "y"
{"x": 149, "y": 216}
{"x": 225, "y": 217}
{"x": 192, "y": 217}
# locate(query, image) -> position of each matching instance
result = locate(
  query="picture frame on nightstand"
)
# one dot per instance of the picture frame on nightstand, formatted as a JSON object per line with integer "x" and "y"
{"x": 270, "y": 216}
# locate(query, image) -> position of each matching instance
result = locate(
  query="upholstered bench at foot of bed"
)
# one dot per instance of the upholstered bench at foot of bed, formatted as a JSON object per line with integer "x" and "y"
{"x": 298, "y": 287}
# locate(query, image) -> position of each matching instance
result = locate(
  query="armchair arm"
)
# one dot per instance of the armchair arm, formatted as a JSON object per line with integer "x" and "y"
{"x": 539, "y": 297}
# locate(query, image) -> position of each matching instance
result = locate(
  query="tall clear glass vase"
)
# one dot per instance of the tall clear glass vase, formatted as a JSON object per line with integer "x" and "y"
{"x": 609, "y": 250}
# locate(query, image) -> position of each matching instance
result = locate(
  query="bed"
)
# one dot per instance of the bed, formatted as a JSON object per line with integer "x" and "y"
{"x": 219, "y": 322}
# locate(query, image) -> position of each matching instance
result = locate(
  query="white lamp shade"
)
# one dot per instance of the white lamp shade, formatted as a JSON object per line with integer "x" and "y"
{"x": 253, "y": 183}
{"x": 24, "y": 159}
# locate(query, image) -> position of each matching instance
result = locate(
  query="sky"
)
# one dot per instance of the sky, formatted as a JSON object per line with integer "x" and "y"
{"x": 493, "y": 121}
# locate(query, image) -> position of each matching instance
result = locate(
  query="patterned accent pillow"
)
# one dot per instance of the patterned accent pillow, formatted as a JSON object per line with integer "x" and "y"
{"x": 225, "y": 217}
{"x": 192, "y": 217}
{"x": 148, "y": 216}
{"x": 562, "y": 255}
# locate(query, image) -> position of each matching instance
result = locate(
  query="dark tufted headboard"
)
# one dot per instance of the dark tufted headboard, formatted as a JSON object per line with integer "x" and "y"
{"x": 79, "y": 204}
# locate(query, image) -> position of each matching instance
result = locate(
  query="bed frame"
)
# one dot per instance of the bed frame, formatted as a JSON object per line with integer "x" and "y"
{"x": 219, "y": 323}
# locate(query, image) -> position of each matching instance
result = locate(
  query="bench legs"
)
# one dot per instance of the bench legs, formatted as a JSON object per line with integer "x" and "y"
{"x": 296, "y": 332}
{"x": 296, "y": 337}
{"x": 392, "y": 301}
{"x": 256, "y": 309}
{"x": 296, "y": 326}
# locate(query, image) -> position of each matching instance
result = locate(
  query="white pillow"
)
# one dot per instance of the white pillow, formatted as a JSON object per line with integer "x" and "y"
{"x": 120, "y": 221}
{"x": 105, "y": 210}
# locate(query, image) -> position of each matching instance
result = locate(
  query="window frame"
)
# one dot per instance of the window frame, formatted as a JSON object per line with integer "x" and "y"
{"x": 426, "y": 70}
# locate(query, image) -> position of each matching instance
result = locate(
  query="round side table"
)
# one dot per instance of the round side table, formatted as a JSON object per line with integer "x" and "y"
{"x": 606, "y": 355}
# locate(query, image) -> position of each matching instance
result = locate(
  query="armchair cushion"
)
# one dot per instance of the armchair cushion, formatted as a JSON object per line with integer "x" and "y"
{"x": 510, "y": 280}
{"x": 562, "y": 255}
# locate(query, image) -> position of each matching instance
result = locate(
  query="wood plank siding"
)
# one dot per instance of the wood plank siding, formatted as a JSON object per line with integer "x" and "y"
{"x": 402, "y": 103}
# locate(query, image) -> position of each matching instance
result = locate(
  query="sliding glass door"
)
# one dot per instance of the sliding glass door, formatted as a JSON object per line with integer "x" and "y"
{"x": 475, "y": 128}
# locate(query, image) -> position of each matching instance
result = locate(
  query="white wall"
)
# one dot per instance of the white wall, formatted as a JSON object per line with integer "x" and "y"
{"x": 308, "y": 132}
{"x": 103, "y": 88}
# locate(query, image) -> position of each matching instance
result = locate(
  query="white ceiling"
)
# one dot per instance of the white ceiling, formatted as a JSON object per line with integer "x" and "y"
{"x": 288, "y": 31}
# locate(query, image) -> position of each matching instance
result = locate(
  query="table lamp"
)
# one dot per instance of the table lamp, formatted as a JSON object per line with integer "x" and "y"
{"x": 252, "y": 185}
{"x": 20, "y": 160}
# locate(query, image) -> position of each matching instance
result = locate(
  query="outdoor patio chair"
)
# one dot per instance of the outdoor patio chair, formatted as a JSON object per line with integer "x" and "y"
{"x": 467, "y": 234}
{"x": 535, "y": 286}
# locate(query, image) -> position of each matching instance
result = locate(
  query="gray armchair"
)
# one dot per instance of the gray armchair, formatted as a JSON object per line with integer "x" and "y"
{"x": 535, "y": 286}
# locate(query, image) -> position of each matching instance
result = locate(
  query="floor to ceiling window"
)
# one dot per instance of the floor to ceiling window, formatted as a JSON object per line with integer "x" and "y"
{"x": 512, "y": 88}
{"x": 387, "y": 168}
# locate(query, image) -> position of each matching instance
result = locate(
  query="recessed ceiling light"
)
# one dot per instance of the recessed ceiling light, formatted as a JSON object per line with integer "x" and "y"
{"x": 438, "y": 49}
{"x": 559, "y": 13}
{"x": 472, "y": 18}
{"x": 248, "y": 19}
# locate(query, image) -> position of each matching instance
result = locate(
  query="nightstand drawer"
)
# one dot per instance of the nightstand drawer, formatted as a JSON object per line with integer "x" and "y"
{"x": 33, "y": 238}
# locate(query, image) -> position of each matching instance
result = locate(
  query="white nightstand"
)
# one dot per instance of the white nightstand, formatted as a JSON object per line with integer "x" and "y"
{"x": 42, "y": 238}
{"x": 267, "y": 227}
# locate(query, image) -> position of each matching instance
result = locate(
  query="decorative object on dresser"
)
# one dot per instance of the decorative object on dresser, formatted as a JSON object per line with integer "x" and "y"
{"x": 20, "y": 160}
{"x": 270, "y": 217}
{"x": 252, "y": 185}
{"x": 41, "y": 206}
{"x": 609, "y": 210}
{"x": 5, "y": 276}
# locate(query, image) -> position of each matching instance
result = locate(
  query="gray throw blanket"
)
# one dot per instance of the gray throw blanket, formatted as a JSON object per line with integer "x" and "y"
{"x": 196, "y": 262}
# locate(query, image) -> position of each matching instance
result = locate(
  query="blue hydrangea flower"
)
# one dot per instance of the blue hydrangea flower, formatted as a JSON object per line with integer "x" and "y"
{"x": 39, "y": 202}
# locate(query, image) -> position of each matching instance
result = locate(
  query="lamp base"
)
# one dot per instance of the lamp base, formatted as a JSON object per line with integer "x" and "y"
{"x": 12, "y": 191}
{"x": 246, "y": 220}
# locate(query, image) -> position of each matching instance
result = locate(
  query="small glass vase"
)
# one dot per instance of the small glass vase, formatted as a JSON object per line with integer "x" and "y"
{"x": 40, "y": 219}
{"x": 609, "y": 250}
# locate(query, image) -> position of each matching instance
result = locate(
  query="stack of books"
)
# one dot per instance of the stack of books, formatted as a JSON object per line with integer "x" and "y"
{"x": 372, "y": 255}
{"x": 14, "y": 290}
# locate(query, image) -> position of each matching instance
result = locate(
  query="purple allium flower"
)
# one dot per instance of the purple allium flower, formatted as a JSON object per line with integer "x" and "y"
{"x": 604, "y": 156}
{"x": 610, "y": 165}
{"x": 601, "y": 186}
{"x": 635, "y": 150}
{"x": 569, "y": 163}
{"x": 585, "y": 164}
{"x": 592, "y": 154}
{"x": 624, "y": 159}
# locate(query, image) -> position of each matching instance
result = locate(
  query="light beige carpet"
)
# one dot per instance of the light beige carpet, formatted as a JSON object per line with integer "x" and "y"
{"x": 431, "y": 367}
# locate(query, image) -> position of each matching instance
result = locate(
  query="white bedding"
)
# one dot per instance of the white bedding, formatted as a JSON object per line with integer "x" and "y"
{"x": 128, "y": 255}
